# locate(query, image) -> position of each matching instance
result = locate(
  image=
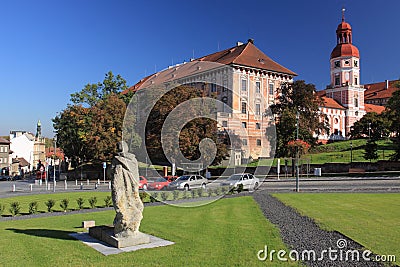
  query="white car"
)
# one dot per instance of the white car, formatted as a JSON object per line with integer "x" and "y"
{"x": 188, "y": 182}
{"x": 248, "y": 180}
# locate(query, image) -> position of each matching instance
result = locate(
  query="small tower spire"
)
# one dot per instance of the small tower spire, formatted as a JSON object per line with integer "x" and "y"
{"x": 343, "y": 10}
{"x": 39, "y": 129}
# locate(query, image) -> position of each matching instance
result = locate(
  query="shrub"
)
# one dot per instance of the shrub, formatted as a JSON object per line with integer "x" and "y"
{"x": 50, "y": 204}
{"x": 92, "y": 202}
{"x": 176, "y": 194}
{"x": 159, "y": 196}
{"x": 239, "y": 188}
{"x": 153, "y": 198}
{"x": 2, "y": 208}
{"x": 187, "y": 194}
{"x": 108, "y": 201}
{"x": 80, "y": 201}
{"x": 33, "y": 207}
{"x": 64, "y": 204}
{"x": 15, "y": 208}
{"x": 145, "y": 197}
{"x": 195, "y": 193}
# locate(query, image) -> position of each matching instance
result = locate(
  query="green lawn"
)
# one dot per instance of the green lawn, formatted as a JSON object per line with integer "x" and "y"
{"x": 373, "y": 220}
{"x": 228, "y": 232}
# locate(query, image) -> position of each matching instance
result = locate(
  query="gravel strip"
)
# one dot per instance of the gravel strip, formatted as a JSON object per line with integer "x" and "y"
{"x": 301, "y": 233}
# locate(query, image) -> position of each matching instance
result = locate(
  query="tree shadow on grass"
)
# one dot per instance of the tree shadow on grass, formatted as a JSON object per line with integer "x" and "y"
{"x": 48, "y": 233}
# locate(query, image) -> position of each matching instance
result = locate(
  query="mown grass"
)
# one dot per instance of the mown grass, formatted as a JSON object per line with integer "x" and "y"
{"x": 370, "y": 219}
{"x": 337, "y": 152}
{"x": 228, "y": 232}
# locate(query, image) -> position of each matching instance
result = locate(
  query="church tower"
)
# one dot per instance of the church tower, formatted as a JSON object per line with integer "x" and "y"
{"x": 345, "y": 75}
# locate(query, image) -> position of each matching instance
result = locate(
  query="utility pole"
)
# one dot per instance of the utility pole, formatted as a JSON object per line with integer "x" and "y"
{"x": 297, "y": 152}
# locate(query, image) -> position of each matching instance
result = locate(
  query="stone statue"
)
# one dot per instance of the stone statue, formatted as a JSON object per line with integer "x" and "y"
{"x": 125, "y": 194}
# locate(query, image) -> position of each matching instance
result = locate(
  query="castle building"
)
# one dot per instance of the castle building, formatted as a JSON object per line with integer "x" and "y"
{"x": 344, "y": 98}
{"x": 252, "y": 78}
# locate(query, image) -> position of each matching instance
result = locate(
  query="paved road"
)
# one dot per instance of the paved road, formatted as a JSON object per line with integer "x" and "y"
{"x": 320, "y": 184}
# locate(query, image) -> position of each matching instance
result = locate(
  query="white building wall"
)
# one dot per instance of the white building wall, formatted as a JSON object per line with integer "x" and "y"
{"x": 22, "y": 147}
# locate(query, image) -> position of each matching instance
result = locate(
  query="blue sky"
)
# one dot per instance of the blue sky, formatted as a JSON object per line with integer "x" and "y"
{"x": 50, "y": 49}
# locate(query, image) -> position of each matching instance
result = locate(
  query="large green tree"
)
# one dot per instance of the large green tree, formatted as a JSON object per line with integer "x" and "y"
{"x": 393, "y": 113}
{"x": 371, "y": 125}
{"x": 90, "y": 127}
{"x": 297, "y": 98}
{"x": 195, "y": 128}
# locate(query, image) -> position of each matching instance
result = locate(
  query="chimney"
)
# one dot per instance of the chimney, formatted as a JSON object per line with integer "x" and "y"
{"x": 386, "y": 84}
{"x": 239, "y": 43}
{"x": 251, "y": 40}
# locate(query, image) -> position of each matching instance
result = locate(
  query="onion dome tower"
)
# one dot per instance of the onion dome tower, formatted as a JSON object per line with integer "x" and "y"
{"x": 345, "y": 75}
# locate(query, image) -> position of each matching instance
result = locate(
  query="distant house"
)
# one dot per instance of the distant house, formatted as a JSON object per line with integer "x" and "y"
{"x": 28, "y": 146}
{"x": 379, "y": 93}
{"x": 4, "y": 154}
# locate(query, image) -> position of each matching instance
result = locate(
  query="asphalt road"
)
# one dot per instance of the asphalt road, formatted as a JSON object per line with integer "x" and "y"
{"x": 315, "y": 184}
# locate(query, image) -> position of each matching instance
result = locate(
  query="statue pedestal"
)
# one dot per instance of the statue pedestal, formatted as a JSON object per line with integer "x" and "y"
{"x": 106, "y": 234}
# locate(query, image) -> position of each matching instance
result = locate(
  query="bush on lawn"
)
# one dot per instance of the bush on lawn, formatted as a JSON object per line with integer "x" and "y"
{"x": 108, "y": 201}
{"x": 2, "y": 208}
{"x": 33, "y": 207}
{"x": 93, "y": 202}
{"x": 50, "y": 204}
{"x": 15, "y": 208}
{"x": 80, "y": 201}
{"x": 64, "y": 204}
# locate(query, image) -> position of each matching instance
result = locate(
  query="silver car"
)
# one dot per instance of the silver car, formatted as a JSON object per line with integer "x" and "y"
{"x": 248, "y": 180}
{"x": 188, "y": 182}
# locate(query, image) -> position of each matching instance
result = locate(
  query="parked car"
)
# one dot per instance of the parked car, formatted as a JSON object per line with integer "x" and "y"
{"x": 143, "y": 183}
{"x": 158, "y": 184}
{"x": 188, "y": 182}
{"x": 170, "y": 178}
{"x": 249, "y": 181}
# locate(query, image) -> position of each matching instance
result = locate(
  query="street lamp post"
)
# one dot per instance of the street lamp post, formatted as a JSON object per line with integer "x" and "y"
{"x": 297, "y": 152}
{"x": 351, "y": 152}
{"x": 369, "y": 130}
{"x": 54, "y": 167}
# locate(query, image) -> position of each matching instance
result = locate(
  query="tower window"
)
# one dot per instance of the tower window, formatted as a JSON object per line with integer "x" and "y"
{"x": 337, "y": 64}
{"x": 244, "y": 124}
{"x": 258, "y": 126}
{"x": 244, "y": 142}
{"x": 356, "y": 81}
{"x": 213, "y": 87}
{"x": 337, "y": 79}
{"x": 356, "y": 102}
{"x": 244, "y": 108}
{"x": 271, "y": 89}
{"x": 244, "y": 85}
{"x": 224, "y": 123}
{"x": 258, "y": 108}
{"x": 355, "y": 63}
{"x": 258, "y": 87}
{"x": 258, "y": 142}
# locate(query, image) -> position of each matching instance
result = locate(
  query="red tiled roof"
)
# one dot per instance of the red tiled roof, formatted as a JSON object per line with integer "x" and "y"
{"x": 331, "y": 103}
{"x": 246, "y": 55}
{"x": 374, "y": 108}
{"x": 243, "y": 55}
{"x": 345, "y": 50}
{"x": 378, "y": 90}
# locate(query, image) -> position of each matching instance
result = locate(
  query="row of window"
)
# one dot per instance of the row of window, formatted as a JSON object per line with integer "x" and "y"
{"x": 244, "y": 124}
{"x": 258, "y": 87}
{"x": 244, "y": 142}
{"x": 3, "y": 160}
{"x": 3, "y": 149}
{"x": 257, "y": 110}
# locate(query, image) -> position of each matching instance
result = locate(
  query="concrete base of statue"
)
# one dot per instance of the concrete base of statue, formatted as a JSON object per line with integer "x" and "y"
{"x": 106, "y": 234}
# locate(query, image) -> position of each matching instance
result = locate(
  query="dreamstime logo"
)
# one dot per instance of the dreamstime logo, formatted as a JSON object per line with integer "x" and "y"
{"x": 332, "y": 254}
{"x": 158, "y": 128}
